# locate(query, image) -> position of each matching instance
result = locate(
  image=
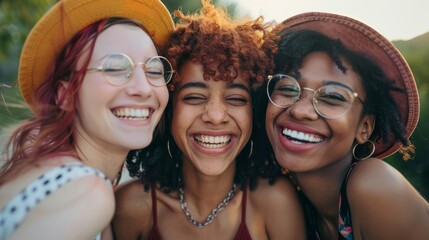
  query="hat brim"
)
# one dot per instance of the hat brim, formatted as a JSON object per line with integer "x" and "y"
{"x": 361, "y": 38}
{"x": 67, "y": 17}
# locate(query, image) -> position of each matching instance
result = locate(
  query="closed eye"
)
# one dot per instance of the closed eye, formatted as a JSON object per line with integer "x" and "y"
{"x": 154, "y": 71}
{"x": 114, "y": 69}
{"x": 237, "y": 101}
{"x": 332, "y": 98}
{"x": 194, "y": 99}
{"x": 286, "y": 90}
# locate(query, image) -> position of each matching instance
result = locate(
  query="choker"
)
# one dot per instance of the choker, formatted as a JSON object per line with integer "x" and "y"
{"x": 221, "y": 206}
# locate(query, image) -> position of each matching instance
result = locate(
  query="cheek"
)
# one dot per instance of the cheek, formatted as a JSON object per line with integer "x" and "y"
{"x": 86, "y": 96}
{"x": 95, "y": 88}
{"x": 243, "y": 115}
{"x": 345, "y": 128}
{"x": 181, "y": 122}
{"x": 271, "y": 114}
{"x": 244, "y": 119}
{"x": 181, "y": 119}
{"x": 162, "y": 96}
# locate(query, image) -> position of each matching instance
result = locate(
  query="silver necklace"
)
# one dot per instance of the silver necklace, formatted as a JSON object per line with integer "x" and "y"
{"x": 221, "y": 206}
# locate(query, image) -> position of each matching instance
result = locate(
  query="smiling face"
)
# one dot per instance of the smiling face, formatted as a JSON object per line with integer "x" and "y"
{"x": 120, "y": 117}
{"x": 303, "y": 140}
{"x": 212, "y": 120}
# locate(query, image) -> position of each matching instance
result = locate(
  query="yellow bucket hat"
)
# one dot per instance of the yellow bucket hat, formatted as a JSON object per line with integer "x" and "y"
{"x": 67, "y": 17}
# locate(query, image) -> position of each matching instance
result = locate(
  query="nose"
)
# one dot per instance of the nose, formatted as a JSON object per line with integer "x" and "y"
{"x": 215, "y": 112}
{"x": 139, "y": 84}
{"x": 303, "y": 108}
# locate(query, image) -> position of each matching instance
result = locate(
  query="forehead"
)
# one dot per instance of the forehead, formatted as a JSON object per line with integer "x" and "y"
{"x": 193, "y": 72}
{"x": 318, "y": 68}
{"x": 125, "y": 38}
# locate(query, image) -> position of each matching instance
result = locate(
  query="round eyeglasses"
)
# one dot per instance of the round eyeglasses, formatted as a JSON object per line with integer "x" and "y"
{"x": 118, "y": 69}
{"x": 330, "y": 101}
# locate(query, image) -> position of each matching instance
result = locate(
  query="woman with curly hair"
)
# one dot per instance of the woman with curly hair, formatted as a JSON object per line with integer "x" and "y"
{"x": 195, "y": 180}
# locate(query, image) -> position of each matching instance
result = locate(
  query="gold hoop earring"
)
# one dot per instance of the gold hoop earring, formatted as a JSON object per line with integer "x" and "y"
{"x": 370, "y": 152}
{"x": 171, "y": 155}
{"x": 168, "y": 149}
{"x": 251, "y": 148}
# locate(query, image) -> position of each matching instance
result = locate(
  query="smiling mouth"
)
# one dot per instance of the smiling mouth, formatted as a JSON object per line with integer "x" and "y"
{"x": 212, "y": 142}
{"x": 301, "y": 137}
{"x": 131, "y": 113}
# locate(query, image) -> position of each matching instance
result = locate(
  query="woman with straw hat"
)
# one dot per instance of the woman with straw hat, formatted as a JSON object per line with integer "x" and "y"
{"x": 91, "y": 73}
{"x": 342, "y": 98}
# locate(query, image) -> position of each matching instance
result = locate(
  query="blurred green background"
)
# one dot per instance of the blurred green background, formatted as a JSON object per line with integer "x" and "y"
{"x": 17, "y": 18}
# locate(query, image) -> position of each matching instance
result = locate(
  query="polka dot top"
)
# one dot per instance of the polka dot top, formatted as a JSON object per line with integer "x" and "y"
{"x": 15, "y": 211}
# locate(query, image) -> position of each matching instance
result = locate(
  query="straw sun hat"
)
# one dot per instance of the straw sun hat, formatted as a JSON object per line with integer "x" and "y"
{"x": 67, "y": 17}
{"x": 361, "y": 38}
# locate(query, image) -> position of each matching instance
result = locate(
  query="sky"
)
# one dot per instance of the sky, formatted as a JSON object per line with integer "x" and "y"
{"x": 395, "y": 19}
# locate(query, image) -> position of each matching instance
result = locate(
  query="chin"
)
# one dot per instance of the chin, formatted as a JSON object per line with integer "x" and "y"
{"x": 138, "y": 143}
{"x": 213, "y": 170}
{"x": 287, "y": 163}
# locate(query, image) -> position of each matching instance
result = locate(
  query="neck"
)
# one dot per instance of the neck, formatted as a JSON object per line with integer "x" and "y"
{"x": 203, "y": 192}
{"x": 106, "y": 159}
{"x": 322, "y": 188}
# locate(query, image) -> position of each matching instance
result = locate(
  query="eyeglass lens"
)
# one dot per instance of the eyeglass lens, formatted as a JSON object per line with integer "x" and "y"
{"x": 329, "y": 101}
{"x": 119, "y": 69}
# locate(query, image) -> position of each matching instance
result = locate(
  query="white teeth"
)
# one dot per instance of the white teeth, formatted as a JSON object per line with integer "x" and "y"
{"x": 131, "y": 113}
{"x": 212, "y": 141}
{"x": 299, "y": 137}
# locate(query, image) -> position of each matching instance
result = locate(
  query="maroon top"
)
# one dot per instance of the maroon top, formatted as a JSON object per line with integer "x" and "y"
{"x": 242, "y": 233}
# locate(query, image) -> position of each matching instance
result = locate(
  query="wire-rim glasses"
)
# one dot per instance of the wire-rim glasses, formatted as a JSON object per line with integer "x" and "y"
{"x": 330, "y": 101}
{"x": 118, "y": 69}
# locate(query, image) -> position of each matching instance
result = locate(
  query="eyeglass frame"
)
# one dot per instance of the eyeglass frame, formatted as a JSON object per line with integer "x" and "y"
{"x": 314, "y": 100}
{"x": 133, "y": 66}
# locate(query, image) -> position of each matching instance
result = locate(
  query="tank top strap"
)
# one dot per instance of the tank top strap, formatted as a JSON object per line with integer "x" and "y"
{"x": 154, "y": 210}
{"x": 155, "y": 234}
{"x": 243, "y": 231}
{"x": 16, "y": 210}
{"x": 345, "y": 230}
{"x": 348, "y": 173}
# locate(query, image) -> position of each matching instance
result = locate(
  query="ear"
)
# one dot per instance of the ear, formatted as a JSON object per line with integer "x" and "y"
{"x": 365, "y": 128}
{"x": 61, "y": 98}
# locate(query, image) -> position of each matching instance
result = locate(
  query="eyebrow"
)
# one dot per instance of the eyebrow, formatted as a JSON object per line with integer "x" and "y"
{"x": 330, "y": 82}
{"x": 239, "y": 86}
{"x": 204, "y": 86}
{"x": 193, "y": 85}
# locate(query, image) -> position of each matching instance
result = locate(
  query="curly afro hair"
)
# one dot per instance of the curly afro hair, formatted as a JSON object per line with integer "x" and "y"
{"x": 226, "y": 49}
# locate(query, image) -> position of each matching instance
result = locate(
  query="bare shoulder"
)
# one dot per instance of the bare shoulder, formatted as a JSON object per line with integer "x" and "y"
{"x": 278, "y": 192}
{"x": 133, "y": 211}
{"x": 280, "y": 207}
{"x": 91, "y": 189}
{"x": 131, "y": 196}
{"x": 374, "y": 177}
{"x": 89, "y": 197}
{"x": 63, "y": 165}
{"x": 381, "y": 199}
